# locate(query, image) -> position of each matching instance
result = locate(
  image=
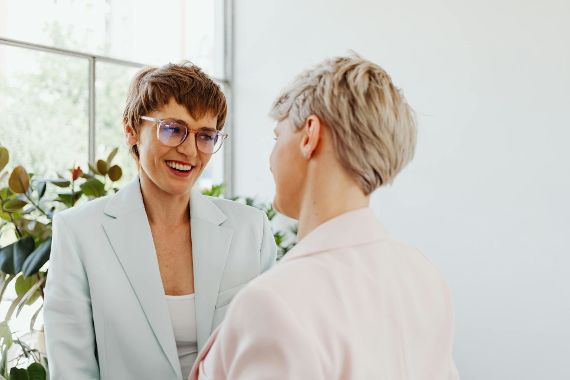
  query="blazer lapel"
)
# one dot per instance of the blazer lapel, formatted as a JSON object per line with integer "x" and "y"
{"x": 210, "y": 245}
{"x": 130, "y": 236}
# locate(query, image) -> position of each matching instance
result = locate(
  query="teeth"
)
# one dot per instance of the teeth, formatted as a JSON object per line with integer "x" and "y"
{"x": 177, "y": 166}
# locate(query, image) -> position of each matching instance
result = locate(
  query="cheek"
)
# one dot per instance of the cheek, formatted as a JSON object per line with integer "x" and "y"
{"x": 277, "y": 160}
{"x": 150, "y": 150}
{"x": 204, "y": 159}
{"x": 272, "y": 162}
{"x": 285, "y": 165}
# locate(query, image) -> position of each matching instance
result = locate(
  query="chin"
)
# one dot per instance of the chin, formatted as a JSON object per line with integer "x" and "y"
{"x": 284, "y": 208}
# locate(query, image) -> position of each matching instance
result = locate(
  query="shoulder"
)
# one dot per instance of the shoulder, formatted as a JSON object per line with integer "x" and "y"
{"x": 237, "y": 211}
{"x": 274, "y": 291}
{"x": 261, "y": 308}
{"x": 234, "y": 207}
{"x": 404, "y": 255}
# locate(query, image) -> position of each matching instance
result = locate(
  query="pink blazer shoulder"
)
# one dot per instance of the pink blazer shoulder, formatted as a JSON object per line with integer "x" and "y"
{"x": 347, "y": 302}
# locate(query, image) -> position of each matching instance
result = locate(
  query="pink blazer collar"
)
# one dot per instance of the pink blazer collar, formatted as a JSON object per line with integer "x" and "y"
{"x": 352, "y": 228}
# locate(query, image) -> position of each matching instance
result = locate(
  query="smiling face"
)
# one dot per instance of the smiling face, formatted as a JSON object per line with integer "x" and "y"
{"x": 289, "y": 169}
{"x": 172, "y": 170}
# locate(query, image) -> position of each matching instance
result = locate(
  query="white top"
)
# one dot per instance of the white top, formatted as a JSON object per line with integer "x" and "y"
{"x": 183, "y": 316}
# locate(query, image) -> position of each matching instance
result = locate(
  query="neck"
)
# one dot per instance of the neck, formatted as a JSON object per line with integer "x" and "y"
{"x": 327, "y": 197}
{"x": 163, "y": 208}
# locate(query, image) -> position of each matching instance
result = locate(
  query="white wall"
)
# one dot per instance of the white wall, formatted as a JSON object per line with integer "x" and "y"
{"x": 487, "y": 196}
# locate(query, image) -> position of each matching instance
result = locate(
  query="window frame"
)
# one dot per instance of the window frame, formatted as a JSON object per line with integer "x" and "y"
{"x": 93, "y": 59}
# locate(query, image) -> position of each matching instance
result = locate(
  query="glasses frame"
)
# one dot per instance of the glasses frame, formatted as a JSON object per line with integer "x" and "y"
{"x": 221, "y": 134}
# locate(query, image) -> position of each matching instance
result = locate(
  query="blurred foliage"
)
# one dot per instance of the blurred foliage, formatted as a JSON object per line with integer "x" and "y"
{"x": 26, "y": 213}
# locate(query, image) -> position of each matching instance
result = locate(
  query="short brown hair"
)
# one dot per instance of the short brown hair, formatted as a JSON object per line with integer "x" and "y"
{"x": 153, "y": 87}
{"x": 372, "y": 126}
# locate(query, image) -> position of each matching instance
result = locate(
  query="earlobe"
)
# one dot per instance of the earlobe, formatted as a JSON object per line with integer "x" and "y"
{"x": 305, "y": 147}
{"x": 311, "y": 136}
{"x": 131, "y": 135}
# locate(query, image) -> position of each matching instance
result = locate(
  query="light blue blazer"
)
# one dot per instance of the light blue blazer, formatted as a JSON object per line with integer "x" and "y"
{"x": 105, "y": 312}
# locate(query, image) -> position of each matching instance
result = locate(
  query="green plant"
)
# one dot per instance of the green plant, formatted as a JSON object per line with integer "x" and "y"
{"x": 284, "y": 239}
{"x": 27, "y": 206}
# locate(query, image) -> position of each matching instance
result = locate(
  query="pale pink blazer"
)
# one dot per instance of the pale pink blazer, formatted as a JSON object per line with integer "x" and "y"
{"x": 347, "y": 302}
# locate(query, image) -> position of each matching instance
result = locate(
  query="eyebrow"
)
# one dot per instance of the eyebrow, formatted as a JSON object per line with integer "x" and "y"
{"x": 187, "y": 126}
{"x": 208, "y": 129}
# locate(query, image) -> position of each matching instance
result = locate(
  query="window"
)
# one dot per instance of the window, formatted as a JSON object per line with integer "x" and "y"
{"x": 65, "y": 69}
{"x": 65, "y": 66}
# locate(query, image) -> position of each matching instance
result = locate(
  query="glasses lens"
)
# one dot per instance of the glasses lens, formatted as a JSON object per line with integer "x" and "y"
{"x": 171, "y": 132}
{"x": 208, "y": 141}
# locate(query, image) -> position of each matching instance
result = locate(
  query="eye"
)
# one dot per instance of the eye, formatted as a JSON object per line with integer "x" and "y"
{"x": 207, "y": 136}
{"x": 172, "y": 128}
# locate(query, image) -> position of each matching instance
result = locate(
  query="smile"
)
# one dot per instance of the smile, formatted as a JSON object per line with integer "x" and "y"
{"x": 178, "y": 166}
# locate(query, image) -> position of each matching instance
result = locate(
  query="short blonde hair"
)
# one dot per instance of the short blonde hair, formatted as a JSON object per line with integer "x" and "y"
{"x": 372, "y": 126}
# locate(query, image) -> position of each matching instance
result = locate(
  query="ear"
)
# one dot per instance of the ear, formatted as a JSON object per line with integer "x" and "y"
{"x": 312, "y": 133}
{"x": 131, "y": 135}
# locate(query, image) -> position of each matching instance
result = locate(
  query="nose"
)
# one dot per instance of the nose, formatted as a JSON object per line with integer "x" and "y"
{"x": 188, "y": 147}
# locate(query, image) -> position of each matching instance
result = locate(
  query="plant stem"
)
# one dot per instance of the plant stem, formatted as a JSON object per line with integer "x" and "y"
{"x": 35, "y": 205}
{"x": 41, "y": 287}
{"x": 18, "y": 232}
{"x": 72, "y": 191}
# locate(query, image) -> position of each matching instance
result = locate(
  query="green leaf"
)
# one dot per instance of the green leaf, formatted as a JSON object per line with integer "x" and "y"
{"x": 14, "y": 205}
{"x": 102, "y": 166}
{"x": 42, "y": 186}
{"x": 29, "y": 289}
{"x": 12, "y": 257}
{"x": 5, "y": 216}
{"x": 68, "y": 199}
{"x": 4, "y": 157}
{"x": 36, "y": 371}
{"x": 278, "y": 236}
{"x": 112, "y": 155}
{"x": 60, "y": 182}
{"x": 5, "y": 335}
{"x": 215, "y": 191}
{"x": 18, "y": 374}
{"x": 5, "y": 192}
{"x": 115, "y": 173}
{"x": 23, "y": 284}
{"x": 19, "y": 181}
{"x": 93, "y": 188}
{"x": 37, "y": 259}
{"x": 270, "y": 212}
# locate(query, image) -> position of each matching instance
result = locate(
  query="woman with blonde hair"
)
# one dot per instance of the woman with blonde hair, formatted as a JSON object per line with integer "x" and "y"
{"x": 348, "y": 302}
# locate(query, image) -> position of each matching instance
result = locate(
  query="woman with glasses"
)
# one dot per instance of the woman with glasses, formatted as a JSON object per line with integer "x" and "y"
{"x": 138, "y": 280}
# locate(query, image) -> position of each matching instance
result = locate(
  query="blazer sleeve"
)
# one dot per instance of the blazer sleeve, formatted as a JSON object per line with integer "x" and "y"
{"x": 261, "y": 339}
{"x": 68, "y": 320}
{"x": 268, "y": 250}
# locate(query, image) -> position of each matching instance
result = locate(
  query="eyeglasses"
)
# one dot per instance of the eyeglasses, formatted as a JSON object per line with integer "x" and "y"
{"x": 172, "y": 132}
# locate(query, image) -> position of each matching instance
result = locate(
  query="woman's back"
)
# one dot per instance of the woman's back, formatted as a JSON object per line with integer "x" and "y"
{"x": 347, "y": 303}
